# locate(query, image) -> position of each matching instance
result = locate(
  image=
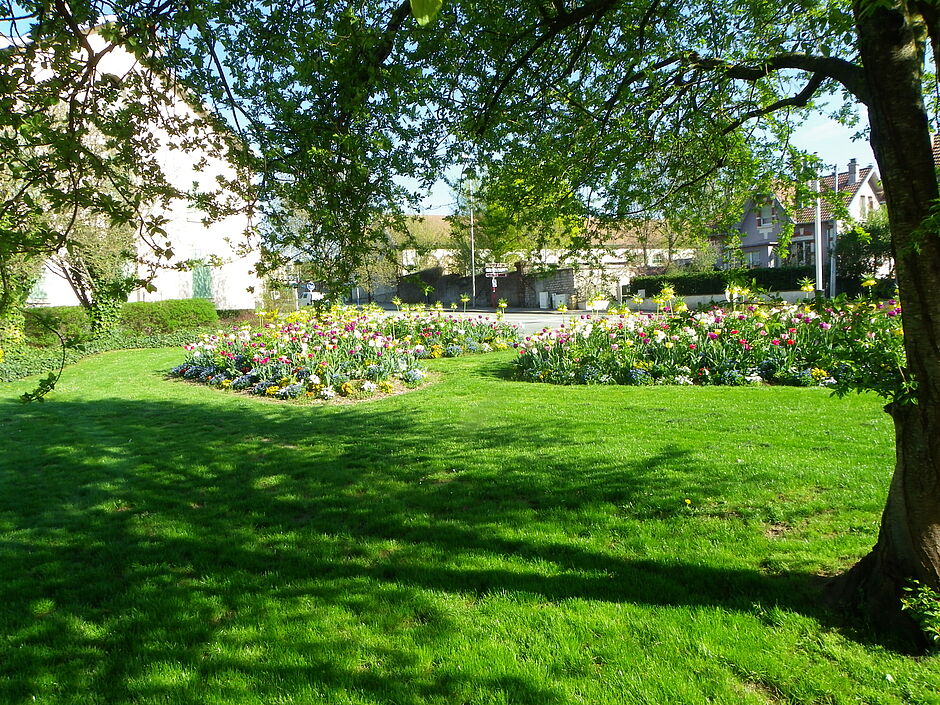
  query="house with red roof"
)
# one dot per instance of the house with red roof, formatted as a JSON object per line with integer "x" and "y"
{"x": 849, "y": 196}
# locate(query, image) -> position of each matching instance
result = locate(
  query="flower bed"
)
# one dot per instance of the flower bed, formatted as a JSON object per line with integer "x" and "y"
{"x": 846, "y": 345}
{"x": 340, "y": 352}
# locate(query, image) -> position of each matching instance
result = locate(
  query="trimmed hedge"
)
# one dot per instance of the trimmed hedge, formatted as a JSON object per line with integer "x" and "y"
{"x": 72, "y": 323}
{"x": 142, "y": 318}
{"x": 703, "y": 283}
{"x": 153, "y": 317}
{"x": 25, "y": 361}
{"x": 152, "y": 324}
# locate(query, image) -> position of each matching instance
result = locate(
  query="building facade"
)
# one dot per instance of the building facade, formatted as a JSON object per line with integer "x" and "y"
{"x": 847, "y": 196}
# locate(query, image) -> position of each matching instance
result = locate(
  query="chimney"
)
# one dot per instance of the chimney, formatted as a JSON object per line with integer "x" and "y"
{"x": 853, "y": 172}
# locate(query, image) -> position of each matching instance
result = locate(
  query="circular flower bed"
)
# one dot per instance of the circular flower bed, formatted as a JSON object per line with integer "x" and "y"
{"x": 343, "y": 351}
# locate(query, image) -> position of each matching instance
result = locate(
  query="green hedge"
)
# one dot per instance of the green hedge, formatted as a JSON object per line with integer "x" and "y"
{"x": 168, "y": 316}
{"x": 72, "y": 323}
{"x": 25, "y": 361}
{"x": 142, "y": 318}
{"x": 703, "y": 283}
{"x": 152, "y": 324}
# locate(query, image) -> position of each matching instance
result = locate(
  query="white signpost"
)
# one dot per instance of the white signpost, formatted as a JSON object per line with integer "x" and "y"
{"x": 494, "y": 270}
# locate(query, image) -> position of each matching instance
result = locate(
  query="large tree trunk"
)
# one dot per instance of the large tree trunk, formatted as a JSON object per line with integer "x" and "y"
{"x": 909, "y": 540}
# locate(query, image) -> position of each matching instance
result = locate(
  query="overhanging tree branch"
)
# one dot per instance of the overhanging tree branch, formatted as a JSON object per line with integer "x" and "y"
{"x": 800, "y": 100}
{"x": 845, "y": 72}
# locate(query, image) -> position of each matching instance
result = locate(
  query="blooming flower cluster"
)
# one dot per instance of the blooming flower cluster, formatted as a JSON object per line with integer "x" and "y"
{"x": 343, "y": 351}
{"x": 846, "y": 345}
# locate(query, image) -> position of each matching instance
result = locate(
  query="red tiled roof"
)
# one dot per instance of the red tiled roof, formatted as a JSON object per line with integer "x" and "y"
{"x": 847, "y": 191}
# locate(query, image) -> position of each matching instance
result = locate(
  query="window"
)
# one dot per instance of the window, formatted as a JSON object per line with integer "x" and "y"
{"x": 753, "y": 258}
{"x": 202, "y": 280}
{"x": 802, "y": 252}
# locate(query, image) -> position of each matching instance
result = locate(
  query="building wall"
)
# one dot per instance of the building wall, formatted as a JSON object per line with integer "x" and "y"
{"x": 230, "y": 281}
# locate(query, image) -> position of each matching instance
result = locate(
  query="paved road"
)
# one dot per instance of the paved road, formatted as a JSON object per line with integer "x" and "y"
{"x": 531, "y": 321}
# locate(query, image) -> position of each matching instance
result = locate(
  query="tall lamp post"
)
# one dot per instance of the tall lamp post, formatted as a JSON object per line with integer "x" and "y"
{"x": 473, "y": 252}
{"x": 834, "y": 242}
{"x": 818, "y": 240}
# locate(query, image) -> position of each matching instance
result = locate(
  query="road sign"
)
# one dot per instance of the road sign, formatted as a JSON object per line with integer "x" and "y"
{"x": 496, "y": 269}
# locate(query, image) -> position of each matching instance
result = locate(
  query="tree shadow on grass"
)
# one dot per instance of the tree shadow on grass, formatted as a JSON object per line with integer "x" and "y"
{"x": 156, "y": 549}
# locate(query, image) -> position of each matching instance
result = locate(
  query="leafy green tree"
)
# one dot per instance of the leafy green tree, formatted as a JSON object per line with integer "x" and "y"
{"x": 637, "y": 101}
{"x": 85, "y": 144}
{"x": 99, "y": 262}
{"x": 514, "y": 217}
{"x": 862, "y": 251}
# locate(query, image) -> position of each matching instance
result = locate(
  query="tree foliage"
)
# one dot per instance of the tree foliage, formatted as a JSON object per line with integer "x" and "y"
{"x": 514, "y": 218}
{"x": 864, "y": 251}
{"x": 88, "y": 120}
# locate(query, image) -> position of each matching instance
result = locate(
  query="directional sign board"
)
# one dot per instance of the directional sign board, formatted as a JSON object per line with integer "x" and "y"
{"x": 496, "y": 269}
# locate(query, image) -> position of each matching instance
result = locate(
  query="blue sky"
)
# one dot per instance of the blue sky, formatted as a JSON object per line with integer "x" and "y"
{"x": 833, "y": 142}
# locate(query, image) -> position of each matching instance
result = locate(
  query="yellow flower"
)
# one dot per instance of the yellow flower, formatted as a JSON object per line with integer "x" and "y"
{"x": 386, "y": 387}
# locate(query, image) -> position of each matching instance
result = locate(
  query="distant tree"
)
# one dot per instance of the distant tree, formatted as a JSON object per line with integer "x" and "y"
{"x": 99, "y": 262}
{"x": 864, "y": 250}
{"x": 514, "y": 218}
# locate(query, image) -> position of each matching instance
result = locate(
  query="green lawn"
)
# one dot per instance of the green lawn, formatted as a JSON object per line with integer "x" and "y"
{"x": 475, "y": 541}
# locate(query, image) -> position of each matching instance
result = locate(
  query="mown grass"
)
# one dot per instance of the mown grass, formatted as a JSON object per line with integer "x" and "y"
{"x": 475, "y": 541}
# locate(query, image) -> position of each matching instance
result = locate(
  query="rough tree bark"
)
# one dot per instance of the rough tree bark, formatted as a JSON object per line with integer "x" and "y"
{"x": 909, "y": 539}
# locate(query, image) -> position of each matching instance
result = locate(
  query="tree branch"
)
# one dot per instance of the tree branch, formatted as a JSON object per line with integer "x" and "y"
{"x": 848, "y": 74}
{"x": 800, "y": 100}
{"x": 553, "y": 27}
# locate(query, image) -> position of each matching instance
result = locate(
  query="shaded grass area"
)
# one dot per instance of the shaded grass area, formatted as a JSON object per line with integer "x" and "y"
{"x": 476, "y": 541}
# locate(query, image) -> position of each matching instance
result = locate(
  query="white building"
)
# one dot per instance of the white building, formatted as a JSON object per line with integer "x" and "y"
{"x": 225, "y": 274}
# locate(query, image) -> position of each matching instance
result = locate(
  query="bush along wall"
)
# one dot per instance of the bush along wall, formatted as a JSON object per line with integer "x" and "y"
{"x": 153, "y": 324}
{"x": 41, "y": 325}
{"x": 168, "y": 316}
{"x": 703, "y": 283}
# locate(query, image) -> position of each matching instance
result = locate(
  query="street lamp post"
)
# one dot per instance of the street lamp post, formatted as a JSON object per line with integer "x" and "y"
{"x": 473, "y": 252}
{"x": 818, "y": 240}
{"x": 835, "y": 239}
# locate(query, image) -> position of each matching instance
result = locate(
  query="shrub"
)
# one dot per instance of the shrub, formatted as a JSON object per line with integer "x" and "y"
{"x": 923, "y": 603}
{"x": 702, "y": 283}
{"x": 26, "y": 360}
{"x": 168, "y": 316}
{"x": 230, "y": 316}
{"x": 71, "y": 322}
